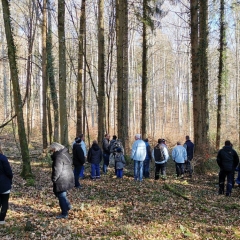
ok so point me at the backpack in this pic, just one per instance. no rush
(111, 160)
(158, 154)
(117, 144)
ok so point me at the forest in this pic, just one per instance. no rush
(160, 68)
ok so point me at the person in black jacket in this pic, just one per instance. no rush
(227, 160)
(95, 157)
(62, 176)
(6, 176)
(146, 163)
(106, 152)
(78, 160)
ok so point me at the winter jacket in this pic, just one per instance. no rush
(78, 155)
(95, 154)
(6, 174)
(105, 146)
(227, 159)
(84, 147)
(62, 173)
(189, 146)
(179, 154)
(148, 155)
(139, 150)
(164, 150)
(120, 161)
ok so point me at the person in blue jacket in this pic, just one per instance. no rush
(6, 176)
(138, 155)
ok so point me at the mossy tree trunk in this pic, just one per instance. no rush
(26, 167)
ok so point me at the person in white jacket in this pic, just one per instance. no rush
(179, 155)
(138, 155)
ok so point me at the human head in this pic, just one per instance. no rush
(138, 136)
(94, 142)
(107, 136)
(119, 150)
(81, 136)
(160, 140)
(163, 140)
(114, 137)
(187, 137)
(55, 147)
(1, 149)
(146, 140)
(227, 143)
(178, 143)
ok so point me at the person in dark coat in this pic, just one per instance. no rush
(62, 176)
(146, 163)
(227, 160)
(95, 157)
(189, 146)
(78, 160)
(6, 176)
(106, 152)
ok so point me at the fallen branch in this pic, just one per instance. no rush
(171, 189)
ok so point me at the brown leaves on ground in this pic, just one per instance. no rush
(113, 208)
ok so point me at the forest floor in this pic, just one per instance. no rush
(111, 208)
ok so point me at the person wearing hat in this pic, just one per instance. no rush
(62, 176)
(139, 153)
(78, 160)
(179, 156)
(120, 163)
(227, 160)
(6, 176)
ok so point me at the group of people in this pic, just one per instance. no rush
(142, 155)
(65, 178)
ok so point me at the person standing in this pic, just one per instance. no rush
(139, 153)
(147, 160)
(179, 155)
(95, 157)
(189, 146)
(6, 176)
(160, 155)
(62, 176)
(120, 163)
(227, 160)
(106, 152)
(78, 160)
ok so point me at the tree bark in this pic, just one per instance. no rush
(62, 74)
(26, 167)
(44, 76)
(101, 67)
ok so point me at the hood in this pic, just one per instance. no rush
(95, 147)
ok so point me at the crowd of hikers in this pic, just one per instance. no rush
(111, 154)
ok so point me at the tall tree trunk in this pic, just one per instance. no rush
(195, 72)
(144, 71)
(221, 71)
(203, 64)
(122, 70)
(51, 79)
(26, 167)
(101, 67)
(80, 70)
(44, 76)
(62, 74)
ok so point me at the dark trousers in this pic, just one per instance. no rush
(119, 173)
(179, 169)
(77, 170)
(222, 176)
(146, 166)
(160, 168)
(105, 162)
(3, 205)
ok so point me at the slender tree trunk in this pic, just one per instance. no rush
(26, 167)
(51, 79)
(80, 114)
(144, 72)
(195, 72)
(203, 64)
(101, 67)
(44, 76)
(62, 74)
(221, 71)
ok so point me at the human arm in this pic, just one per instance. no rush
(57, 169)
(7, 168)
